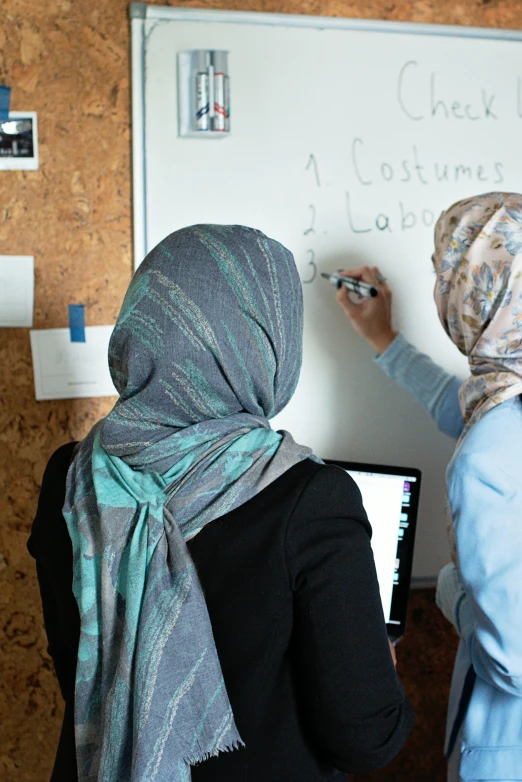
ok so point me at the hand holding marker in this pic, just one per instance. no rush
(372, 315)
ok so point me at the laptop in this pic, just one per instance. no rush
(391, 499)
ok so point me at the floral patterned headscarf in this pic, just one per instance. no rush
(478, 261)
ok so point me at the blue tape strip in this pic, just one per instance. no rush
(5, 102)
(77, 322)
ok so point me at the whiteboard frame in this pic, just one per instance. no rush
(139, 199)
(141, 12)
(172, 13)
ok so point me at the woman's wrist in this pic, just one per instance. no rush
(382, 342)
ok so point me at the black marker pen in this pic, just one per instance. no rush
(363, 289)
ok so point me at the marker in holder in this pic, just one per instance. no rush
(202, 79)
(203, 93)
(221, 118)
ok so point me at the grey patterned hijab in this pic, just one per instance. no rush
(207, 348)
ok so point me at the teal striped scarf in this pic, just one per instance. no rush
(207, 348)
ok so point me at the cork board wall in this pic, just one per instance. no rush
(70, 62)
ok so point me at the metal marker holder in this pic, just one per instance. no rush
(203, 94)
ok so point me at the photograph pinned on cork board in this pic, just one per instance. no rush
(19, 141)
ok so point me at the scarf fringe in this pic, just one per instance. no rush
(193, 760)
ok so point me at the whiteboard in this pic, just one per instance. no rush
(347, 140)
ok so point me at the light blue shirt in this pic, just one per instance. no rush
(483, 598)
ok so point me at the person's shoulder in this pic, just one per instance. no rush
(493, 446)
(59, 463)
(52, 491)
(330, 491)
(331, 477)
(327, 518)
(48, 521)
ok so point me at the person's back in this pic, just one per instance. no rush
(297, 620)
(290, 587)
(284, 569)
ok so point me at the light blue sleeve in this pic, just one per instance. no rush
(486, 505)
(450, 595)
(436, 390)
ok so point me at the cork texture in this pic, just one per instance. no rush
(70, 62)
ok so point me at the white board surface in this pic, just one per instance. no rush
(345, 145)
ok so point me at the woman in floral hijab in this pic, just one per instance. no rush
(478, 260)
(478, 293)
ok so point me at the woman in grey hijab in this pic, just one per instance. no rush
(227, 623)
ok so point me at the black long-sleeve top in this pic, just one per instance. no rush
(292, 593)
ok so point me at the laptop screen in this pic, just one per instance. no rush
(390, 496)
